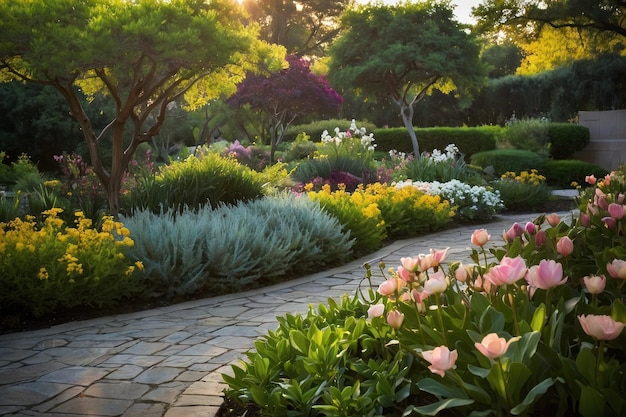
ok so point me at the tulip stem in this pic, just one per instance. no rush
(599, 360)
(419, 323)
(440, 316)
(515, 322)
(504, 384)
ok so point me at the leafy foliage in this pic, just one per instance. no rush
(504, 160)
(565, 172)
(526, 191)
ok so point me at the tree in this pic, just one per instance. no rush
(142, 55)
(285, 95)
(403, 53)
(529, 16)
(304, 28)
(502, 59)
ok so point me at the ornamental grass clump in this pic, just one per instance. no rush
(439, 166)
(533, 326)
(524, 191)
(55, 266)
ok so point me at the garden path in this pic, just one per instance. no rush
(168, 361)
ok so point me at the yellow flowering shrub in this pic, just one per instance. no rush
(358, 215)
(524, 191)
(377, 211)
(525, 177)
(55, 265)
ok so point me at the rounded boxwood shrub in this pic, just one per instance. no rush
(564, 172)
(566, 138)
(505, 160)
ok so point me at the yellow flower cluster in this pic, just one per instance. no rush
(533, 177)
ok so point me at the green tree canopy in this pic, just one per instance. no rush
(142, 55)
(404, 52)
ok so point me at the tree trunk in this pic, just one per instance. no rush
(406, 111)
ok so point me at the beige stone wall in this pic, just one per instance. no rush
(607, 146)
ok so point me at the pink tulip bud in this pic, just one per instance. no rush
(601, 202)
(620, 198)
(553, 219)
(590, 179)
(530, 228)
(441, 359)
(617, 268)
(433, 259)
(493, 346)
(480, 237)
(546, 275)
(410, 264)
(375, 310)
(565, 246)
(607, 179)
(514, 231)
(609, 222)
(395, 319)
(540, 238)
(585, 220)
(595, 284)
(601, 327)
(616, 211)
(591, 209)
(461, 273)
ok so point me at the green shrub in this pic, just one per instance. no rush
(300, 148)
(526, 191)
(567, 171)
(194, 182)
(324, 168)
(234, 248)
(567, 138)
(469, 140)
(504, 160)
(315, 129)
(529, 135)
(439, 166)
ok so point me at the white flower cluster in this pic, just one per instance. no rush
(450, 154)
(472, 202)
(367, 141)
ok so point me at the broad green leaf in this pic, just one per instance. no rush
(436, 408)
(537, 391)
(586, 364)
(518, 374)
(299, 341)
(440, 390)
(479, 372)
(591, 402)
(539, 318)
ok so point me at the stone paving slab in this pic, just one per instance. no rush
(168, 362)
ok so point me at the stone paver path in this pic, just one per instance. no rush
(168, 361)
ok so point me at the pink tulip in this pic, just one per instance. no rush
(436, 283)
(585, 220)
(482, 284)
(530, 228)
(375, 310)
(546, 275)
(595, 284)
(591, 209)
(395, 319)
(616, 211)
(600, 200)
(509, 271)
(441, 359)
(480, 237)
(617, 268)
(553, 219)
(493, 346)
(591, 179)
(419, 296)
(609, 222)
(390, 287)
(410, 264)
(432, 260)
(540, 238)
(607, 179)
(565, 246)
(620, 198)
(461, 274)
(601, 327)
(514, 231)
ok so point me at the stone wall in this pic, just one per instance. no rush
(607, 146)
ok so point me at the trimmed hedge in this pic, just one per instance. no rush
(315, 129)
(562, 173)
(469, 140)
(504, 160)
(567, 138)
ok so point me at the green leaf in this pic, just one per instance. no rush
(299, 341)
(539, 318)
(478, 371)
(537, 391)
(586, 364)
(591, 402)
(491, 321)
(435, 408)
(518, 375)
(440, 390)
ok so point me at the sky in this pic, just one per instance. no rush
(462, 10)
